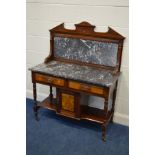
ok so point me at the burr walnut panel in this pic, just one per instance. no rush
(86, 87)
(49, 79)
(67, 102)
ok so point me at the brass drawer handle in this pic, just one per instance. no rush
(85, 87)
(49, 80)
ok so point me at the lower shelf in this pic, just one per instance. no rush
(94, 114)
(87, 113)
(47, 104)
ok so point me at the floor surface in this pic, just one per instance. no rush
(56, 135)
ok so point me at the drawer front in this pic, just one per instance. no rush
(85, 87)
(50, 80)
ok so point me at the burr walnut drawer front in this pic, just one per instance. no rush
(49, 79)
(85, 87)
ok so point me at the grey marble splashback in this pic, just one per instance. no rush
(96, 52)
(77, 72)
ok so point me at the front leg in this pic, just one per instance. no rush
(35, 108)
(113, 100)
(51, 94)
(104, 132)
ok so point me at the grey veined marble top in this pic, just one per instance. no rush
(77, 72)
(89, 51)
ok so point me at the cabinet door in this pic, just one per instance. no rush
(69, 103)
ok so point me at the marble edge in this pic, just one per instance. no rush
(116, 76)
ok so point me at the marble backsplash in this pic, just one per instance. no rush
(89, 51)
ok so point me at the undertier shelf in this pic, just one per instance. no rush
(47, 104)
(87, 113)
(94, 114)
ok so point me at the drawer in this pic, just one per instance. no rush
(85, 87)
(49, 79)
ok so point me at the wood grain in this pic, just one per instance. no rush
(67, 102)
(49, 79)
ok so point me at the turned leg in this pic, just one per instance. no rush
(113, 104)
(35, 108)
(111, 120)
(106, 117)
(58, 105)
(106, 107)
(51, 94)
(104, 132)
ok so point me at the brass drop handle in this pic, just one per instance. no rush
(49, 79)
(85, 87)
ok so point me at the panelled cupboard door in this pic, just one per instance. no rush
(68, 102)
